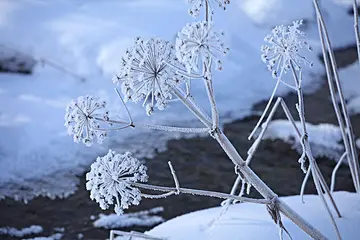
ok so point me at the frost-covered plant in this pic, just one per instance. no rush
(111, 177)
(197, 42)
(151, 72)
(146, 73)
(83, 117)
(284, 46)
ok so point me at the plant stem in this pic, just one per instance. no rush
(201, 193)
(348, 135)
(252, 178)
(356, 28)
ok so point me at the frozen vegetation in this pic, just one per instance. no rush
(191, 73)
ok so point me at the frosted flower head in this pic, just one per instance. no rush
(284, 46)
(146, 73)
(110, 180)
(197, 41)
(196, 5)
(83, 117)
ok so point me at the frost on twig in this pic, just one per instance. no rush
(130, 235)
(116, 179)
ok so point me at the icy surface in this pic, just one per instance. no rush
(325, 139)
(140, 219)
(34, 229)
(252, 221)
(88, 38)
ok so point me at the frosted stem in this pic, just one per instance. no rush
(356, 28)
(307, 152)
(333, 175)
(200, 193)
(347, 131)
(266, 109)
(152, 127)
(132, 234)
(251, 177)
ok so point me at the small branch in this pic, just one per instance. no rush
(266, 109)
(126, 108)
(152, 127)
(348, 138)
(333, 175)
(201, 193)
(176, 181)
(356, 27)
(132, 234)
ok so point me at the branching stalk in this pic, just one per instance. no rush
(348, 130)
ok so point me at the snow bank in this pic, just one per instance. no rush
(325, 139)
(56, 236)
(34, 229)
(143, 219)
(87, 39)
(251, 221)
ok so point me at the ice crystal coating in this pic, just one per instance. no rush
(110, 180)
(147, 73)
(83, 117)
(197, 41)
(198, 4)
(284, 46)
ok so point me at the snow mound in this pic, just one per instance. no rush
(325, 139)
(252, 221)
(143, 219)
(34, 229)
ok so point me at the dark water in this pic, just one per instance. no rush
(200, 163)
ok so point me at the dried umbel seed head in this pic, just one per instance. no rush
(198, 42)
(83, 119)
(110, 180)
(145, 74)
(284, 48)
(196, 5)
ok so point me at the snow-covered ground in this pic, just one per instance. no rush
(88, 39)
(253, 222)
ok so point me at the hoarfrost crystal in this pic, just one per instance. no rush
(111, 178)
(198, 4)
(197, 41)
(147, 73)
(83, 117)
(284, 46)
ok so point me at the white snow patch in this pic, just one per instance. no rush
(34, 229)
(252, 221)
(325, 139)
(143, 218)
(56, 236)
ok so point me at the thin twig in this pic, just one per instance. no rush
(352, 154)
(356, 28)
(333, 175)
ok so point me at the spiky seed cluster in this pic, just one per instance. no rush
(110, 180)
(83, 117)
(285, 43)
(197, 41)
(146, 75)
(196, 5)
